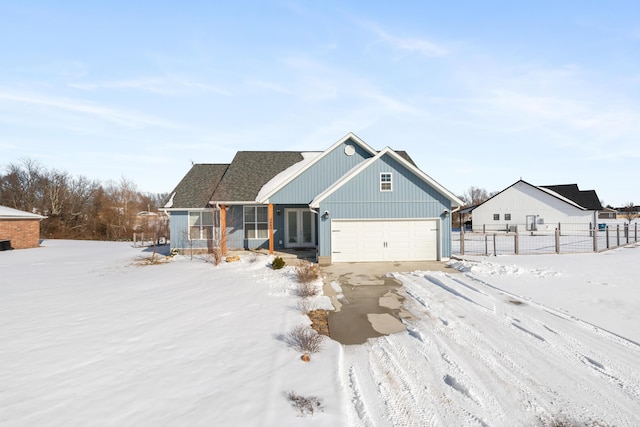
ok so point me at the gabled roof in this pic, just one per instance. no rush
(197, 186)
(588, 199)
(11, 213)
(569, 190)
(238, 185)
(264, 197)
(455, 201)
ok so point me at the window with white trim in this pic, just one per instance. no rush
(256, 222)
(200, 225)
(386, 183)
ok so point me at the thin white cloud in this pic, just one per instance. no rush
(158, 85)
(420, 46)
(390, 104)
(121, 117)
(269, 86)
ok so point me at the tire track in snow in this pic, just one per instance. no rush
(475, 365)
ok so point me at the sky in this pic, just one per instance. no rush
(478, 93)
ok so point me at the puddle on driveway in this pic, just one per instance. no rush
(367, 311)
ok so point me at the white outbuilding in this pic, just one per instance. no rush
(537, 209)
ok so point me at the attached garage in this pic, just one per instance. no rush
(367, 240)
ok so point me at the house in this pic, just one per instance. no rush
(19, 229)
(349, 202)
(608, 213)
(537, 208)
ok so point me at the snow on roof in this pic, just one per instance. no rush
(283, 176)
(169, 203)
(10, 213)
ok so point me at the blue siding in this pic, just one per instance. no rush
(235, 228)
(321, 175)
(179, 229)
(278, 224)
(361, 198)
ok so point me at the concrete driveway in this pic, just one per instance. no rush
(368, 305)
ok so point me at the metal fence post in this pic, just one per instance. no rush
(636, 232)
(557, 241)
(462, 243)
(515, 245)
(595, 238)
(607, 232)
(484, 228)
(495, 252)
(626, 232)
(591, 229)
(559, 228)
(486, 245)
(618, 234)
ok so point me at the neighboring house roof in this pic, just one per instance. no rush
(588, 199)
(238, 185)
(455, 201)
(11, 213)
(570, 192)
(197, 186)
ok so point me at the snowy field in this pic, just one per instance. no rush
(91, 337)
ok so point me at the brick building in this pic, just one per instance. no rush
(21, 228)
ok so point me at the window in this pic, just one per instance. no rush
(496, 217)
(256, 222)
(507, 217)
(201, 225)
(385, 181)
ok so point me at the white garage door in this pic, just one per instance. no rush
(384, 240)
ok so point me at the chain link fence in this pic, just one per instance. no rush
(565, 238)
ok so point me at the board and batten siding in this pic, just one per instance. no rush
(179, 231)
(361, 198)
(522, 200)
(321, 175)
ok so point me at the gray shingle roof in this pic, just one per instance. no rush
(587, 199)
(197, 186)
(405, 156)
(250, 171)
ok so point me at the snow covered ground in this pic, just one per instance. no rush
(90, 337)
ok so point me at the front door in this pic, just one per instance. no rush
(299, 229)
(531, 223)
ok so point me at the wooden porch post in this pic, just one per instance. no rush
(270, 228)
(223, 230)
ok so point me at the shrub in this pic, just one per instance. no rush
(304, 339)
(216, 256)
(306, 405)
(307, 272)
(277, 263)
(306, 290)
(306, 306)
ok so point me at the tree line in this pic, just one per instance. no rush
(77, 207)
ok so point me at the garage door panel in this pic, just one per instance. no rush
(384, 240)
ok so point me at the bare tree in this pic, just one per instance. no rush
(629, 212)
(474, 196)
(77, 208)
(21, 188)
